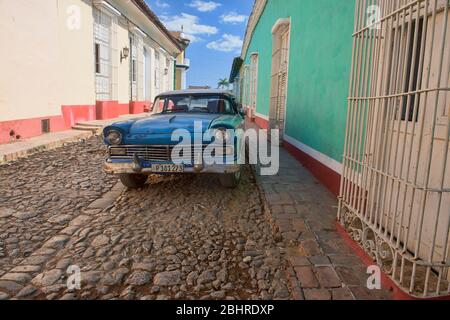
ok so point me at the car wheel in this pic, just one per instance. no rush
(230, 180)
(133, 181)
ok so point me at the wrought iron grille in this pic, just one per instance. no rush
(105, 47)
(395, 189)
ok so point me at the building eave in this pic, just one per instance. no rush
(237, 64)
(258, 9)
(142, 5)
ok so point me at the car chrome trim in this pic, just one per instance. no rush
(118, 168)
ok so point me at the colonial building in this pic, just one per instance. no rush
(182, 64)
(72, 60)
(381, 143)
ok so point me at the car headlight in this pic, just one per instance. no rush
(223, 135)
(114, 137)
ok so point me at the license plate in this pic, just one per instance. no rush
(167, 168)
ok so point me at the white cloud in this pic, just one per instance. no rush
(162, 4)
(233, 17)
(227, 43)
(204, 6)
(192, 29)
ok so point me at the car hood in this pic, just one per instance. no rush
(167, 123)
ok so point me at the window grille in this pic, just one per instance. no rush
(395, 188)
(133, 67)
(157, 72)
(104, 49)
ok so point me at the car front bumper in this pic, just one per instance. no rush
(132, 168)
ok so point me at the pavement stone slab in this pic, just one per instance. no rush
(305, 211)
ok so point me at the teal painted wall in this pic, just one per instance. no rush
(319, 68)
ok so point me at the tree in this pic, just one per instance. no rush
(223, 84)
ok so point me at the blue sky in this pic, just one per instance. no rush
(216, 28)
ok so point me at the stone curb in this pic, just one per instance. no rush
(24, 151)
(275, 230)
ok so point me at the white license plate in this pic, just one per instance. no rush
(167, 168)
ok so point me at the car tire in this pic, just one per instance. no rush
(133, 181)
(230, 180)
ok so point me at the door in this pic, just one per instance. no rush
(133, 68)
(280, 67)
(147, 75)
(282, 83)
(254, 60)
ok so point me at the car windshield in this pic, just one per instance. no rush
(193, 104)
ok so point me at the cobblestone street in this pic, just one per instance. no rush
(180, 237)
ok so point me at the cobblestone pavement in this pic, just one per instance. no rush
(41, 194)
(179, 237)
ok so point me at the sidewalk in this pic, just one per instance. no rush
(321, 264)
(83, 130)
(22, 149)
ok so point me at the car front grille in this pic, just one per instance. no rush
(150, 153)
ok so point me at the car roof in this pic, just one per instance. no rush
(195, 92)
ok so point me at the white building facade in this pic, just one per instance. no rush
(74, 60)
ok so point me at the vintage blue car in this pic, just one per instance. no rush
(151, 145)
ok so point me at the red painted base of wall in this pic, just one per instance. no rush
(137, 107)
(386, 281)
(74, 114)
(330, 178)
(28, 128)
(12, 130)
(111, 109)
(262, 123)
(149, 107)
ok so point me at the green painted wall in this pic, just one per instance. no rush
(319, 68)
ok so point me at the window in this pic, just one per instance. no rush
(146, 74)
(103, 52)
(133, 59)
(158, 106)
(167, 74)
(412, 72)
(133, 70)
(97, 58)
(194, 104)
(135, 83)
(157, 70)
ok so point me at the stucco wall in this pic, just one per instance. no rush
(123, 40)
(76, 58)
(44, 64)
(48, 58)
(320, 60)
